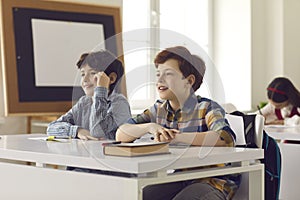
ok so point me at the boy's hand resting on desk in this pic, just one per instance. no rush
(84, 134)
(162, 134)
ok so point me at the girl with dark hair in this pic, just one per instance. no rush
(284, 103)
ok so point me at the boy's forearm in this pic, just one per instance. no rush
(210, 138)
(129, 132)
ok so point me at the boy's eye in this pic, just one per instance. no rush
(93, 73)
(82, 75)
(157, 75)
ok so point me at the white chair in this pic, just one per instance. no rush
(229, 107)
(237, 125)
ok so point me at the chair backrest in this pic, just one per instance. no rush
(237, 124)
(259, 128)
(229, 107)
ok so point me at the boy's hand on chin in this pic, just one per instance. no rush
(102, 79)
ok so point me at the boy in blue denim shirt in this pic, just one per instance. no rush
(98, 113)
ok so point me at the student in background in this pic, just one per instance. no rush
(183, 117)
(101, 110)
(283, 107)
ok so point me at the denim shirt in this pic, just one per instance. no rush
(100, 114)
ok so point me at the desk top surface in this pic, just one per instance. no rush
(89, 154)
(281, 132)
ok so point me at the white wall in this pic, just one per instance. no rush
(262, 34)
(291, 40)
(232, 48)
(14, 125)
(267, 46)
(277, 22)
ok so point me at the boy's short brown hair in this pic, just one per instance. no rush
(102, 61)
(188, 63)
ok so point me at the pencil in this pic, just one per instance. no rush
(259, 110)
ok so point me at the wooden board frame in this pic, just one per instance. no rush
(13, 105)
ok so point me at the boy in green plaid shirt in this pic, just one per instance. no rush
(183, 117)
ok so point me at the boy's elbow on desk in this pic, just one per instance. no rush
(123, 137)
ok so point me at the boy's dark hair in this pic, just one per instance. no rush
(282, 89)
(188, 63)
(103, 61)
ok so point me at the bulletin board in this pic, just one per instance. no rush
(41, 42)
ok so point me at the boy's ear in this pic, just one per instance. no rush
(191, 79)
(112, 77)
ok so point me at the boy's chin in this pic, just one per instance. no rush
(164, 97)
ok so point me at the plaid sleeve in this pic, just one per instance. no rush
(215, 119)
(146, 117)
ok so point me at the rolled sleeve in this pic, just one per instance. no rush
(101, 92)
(216, 121)
(62, 129)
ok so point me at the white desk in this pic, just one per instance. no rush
(40, 182)
(290, 160)
(284, 132)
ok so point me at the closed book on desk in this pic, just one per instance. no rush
(136, 149)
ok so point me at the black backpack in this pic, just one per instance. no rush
(249, 129)
(272, 161)
(272, 156)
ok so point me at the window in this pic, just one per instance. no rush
(178, 20)
(189, 18)
(137, 59)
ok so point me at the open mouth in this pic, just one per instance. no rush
(162, 88)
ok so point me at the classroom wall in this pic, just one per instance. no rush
(15, 125)
(280, 46)
(267, 46)
(269, 43)
(291, 40)
(232, 49)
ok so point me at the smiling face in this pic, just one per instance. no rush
(171, 84)
(88, 80)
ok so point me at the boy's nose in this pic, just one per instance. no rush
(160, 79)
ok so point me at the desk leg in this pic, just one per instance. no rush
(257, 184)
(140, 192)
(141, 183)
